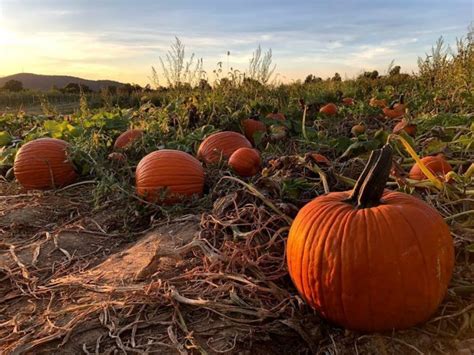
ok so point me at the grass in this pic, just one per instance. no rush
(221, 284)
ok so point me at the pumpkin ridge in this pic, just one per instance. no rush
(345, 231)
(319, 243)
(427, 286)
(388, 229)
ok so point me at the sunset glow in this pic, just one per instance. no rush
(113, 40)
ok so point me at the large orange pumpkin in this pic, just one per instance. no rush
(44, 164)
(221, 144)
(371, 259)
(127, 138)
(436, 164)
(245, 161)
(251, 127)
(169, 176)
(329, 109)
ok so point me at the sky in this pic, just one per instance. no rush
(122, 40)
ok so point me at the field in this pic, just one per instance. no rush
(92, 267)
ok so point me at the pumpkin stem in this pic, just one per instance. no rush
(369, 187)
(401, 99)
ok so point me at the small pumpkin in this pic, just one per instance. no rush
(251, 127)
(396, 109)
(348, 101)
(127, 138)
(393, 113)
(358, 129)
(117, 157)
(44, 164)
(221, 144)
(400, 103)
(377, 103)
(278, 132)
(275, 115)
(329, 109)
(404, 125)
(245, 162)
(436, 164)
(352, 254)
(319, 158)
(168, 176)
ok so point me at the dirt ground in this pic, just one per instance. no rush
(209, 283)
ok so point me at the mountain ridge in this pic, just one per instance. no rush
(46, 82)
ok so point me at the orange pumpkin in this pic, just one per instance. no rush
(404, 125)
(251, 127)
(400, 104)
(117, 157)
(329, 109)
(43, 164)
(358, 129)
(245, 162)
(221, 144)
(436, 164)
(392, 113)
(348, 101)
(169, 176)
(319, 158)
(275, 115)
(377, 103)
(371, 259)
(127, 138)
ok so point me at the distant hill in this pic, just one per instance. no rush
(46, 82)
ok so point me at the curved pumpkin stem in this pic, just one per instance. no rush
(370, 185)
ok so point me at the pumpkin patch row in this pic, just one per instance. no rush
(165, 175)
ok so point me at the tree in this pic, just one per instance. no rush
(75, 88)
(13, 85)
(336, 77)
(312, 79)
(395, 70)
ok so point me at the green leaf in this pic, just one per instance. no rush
(434, 146)
(5, 138)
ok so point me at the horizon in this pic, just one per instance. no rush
(121, 42)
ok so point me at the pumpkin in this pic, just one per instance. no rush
(348, 101)
(319, 158)
(275, 115)
(117, 157)
(371, 259)
(404, 125)
(393, 113)
(251, 127)
(329, 109)
(400, 103)
(169, 176)
(436, 164)
(221, 144)
(278, 132)
(358, 129)
(43, 164)
(245, 162)
(127, 138)
(396, 109)
(377, 103)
